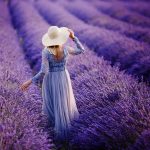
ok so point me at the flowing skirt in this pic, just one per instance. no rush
(59, 102)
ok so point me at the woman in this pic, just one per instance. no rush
(57, 93)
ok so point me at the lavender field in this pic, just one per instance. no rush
(111, 80)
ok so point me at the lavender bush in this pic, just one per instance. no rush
(140, 7)
(20, 117)
(117, 125)
(115, 117)
(95, 106)
(144, 10)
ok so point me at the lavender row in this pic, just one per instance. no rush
(20, 125)
(141, 7)
(107, 84)
(114, 120)
(122, 13)
(111, 45)
(102, 79)
(30, 25)
(144, 10)
(4, 17)
(90, 15)
(116, 128)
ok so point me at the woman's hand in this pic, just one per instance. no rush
(25, 85)
(71, 34)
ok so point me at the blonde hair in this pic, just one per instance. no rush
(58, 53)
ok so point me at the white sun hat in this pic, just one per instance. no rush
(55, 36)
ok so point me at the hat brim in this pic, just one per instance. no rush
(61, 39)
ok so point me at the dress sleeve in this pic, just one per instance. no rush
(78, 49)
(43, 69)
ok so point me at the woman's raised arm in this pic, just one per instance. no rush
(78, 49)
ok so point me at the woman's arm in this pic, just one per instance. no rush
(43, 69)
(79, 47)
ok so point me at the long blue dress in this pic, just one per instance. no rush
(57, 93)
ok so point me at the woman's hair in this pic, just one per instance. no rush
(58, 53)
(53, 46)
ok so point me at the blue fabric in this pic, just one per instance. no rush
(57, 93)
